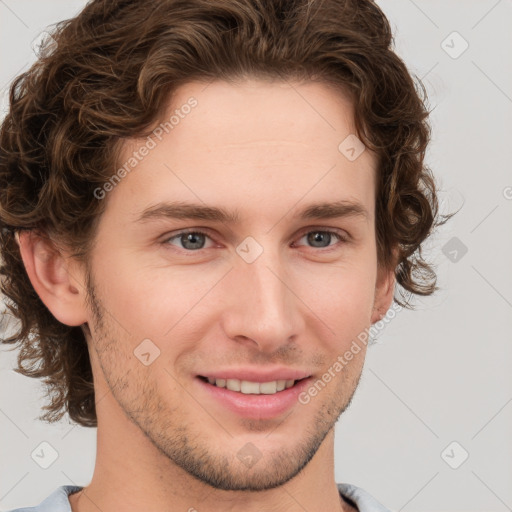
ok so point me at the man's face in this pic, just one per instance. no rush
(269, 295)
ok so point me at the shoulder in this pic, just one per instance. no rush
(362, 500)
(57, 501)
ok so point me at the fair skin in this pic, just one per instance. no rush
(164, 440)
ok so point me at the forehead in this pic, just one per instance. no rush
(225, 142)
(260, 113)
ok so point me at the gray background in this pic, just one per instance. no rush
(434, 376)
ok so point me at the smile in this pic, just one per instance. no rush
(252, 388)
(251, 399)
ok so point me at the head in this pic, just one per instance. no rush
(241, 108)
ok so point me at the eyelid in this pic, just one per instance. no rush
(344, 235)
(185, 231)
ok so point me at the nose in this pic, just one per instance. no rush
(262, 310)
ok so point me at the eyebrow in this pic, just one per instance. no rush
(194, 211)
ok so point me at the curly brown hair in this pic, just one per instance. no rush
(109, 77)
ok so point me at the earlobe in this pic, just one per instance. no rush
(52, 278)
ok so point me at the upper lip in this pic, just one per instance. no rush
(257, 375)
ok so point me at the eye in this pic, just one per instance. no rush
(195, 240)
(320, 239)
(189, 240)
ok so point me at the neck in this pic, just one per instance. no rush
(131, 479)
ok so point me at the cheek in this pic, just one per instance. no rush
(342, 298)
(135, 295)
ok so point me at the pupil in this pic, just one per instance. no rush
(192, 238)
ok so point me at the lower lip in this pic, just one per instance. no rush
(258, 407)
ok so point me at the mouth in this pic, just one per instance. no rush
(267, 400)
(247, 387)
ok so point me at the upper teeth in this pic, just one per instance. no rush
(252, 388)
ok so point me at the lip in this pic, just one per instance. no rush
(258, 407)
(254, 375)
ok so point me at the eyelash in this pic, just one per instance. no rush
(343, 239)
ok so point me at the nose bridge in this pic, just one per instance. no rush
(262, 307)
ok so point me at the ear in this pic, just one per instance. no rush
(384, 290)
(52, 276)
